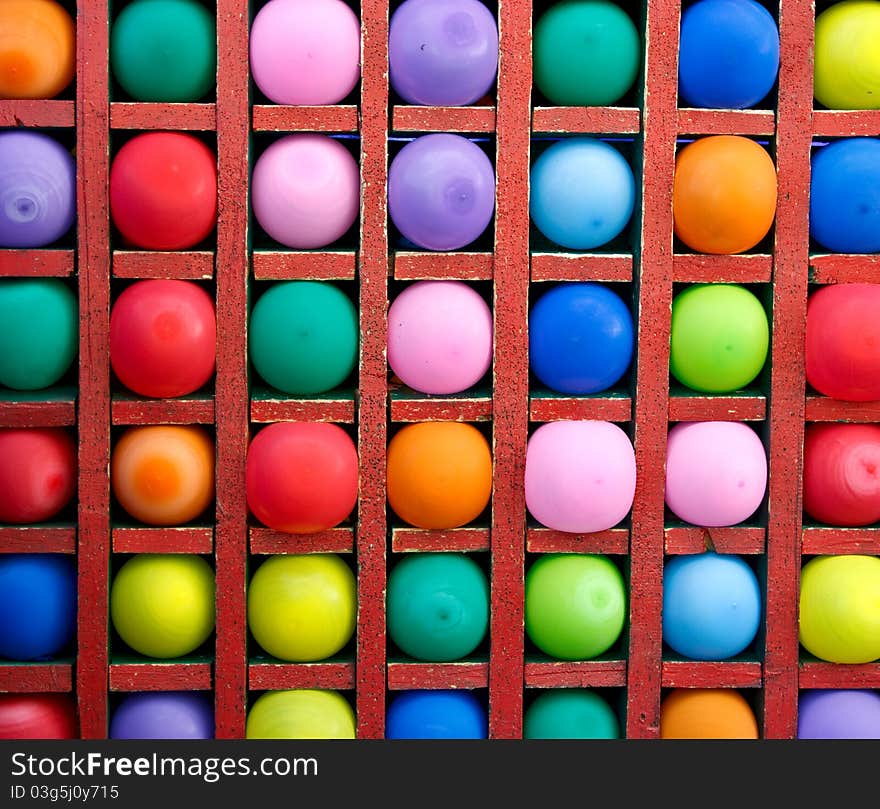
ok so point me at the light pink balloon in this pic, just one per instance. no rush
(305, 191)
(716, 472)
(439, 336)
(580, 475)
(305, 51)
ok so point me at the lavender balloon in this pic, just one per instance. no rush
(443, 52)
(839, 714)
(37, 189)
(441, 191)
(163, 715)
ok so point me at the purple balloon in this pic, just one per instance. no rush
(441, 191)
(839, 714)
(163, 715)
(37, 189)
(443, 52)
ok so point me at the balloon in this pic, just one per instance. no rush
(163, 715)
(707, 713)
(300, 714)
(37, 716)
(436, 715)
(839, 714)
(570, 713)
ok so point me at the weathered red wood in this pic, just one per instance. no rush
(231, 385)
(725, 122)
(411, 266)
(703, 674)
(37, 677)
(282, 118)
(736, 539)
(163, 540)
(277, 676)
(842, 268)
(334, 540)
(578, 674)
(191, 265)
(837, 675)
(37, 539)
(37, 414)
(546, 540)
(44, 263)
(821, 408)
(411, 408)
(465, 674)
(270, 265)
(160, 676)
(750, 268)
(582, 267)
(567, 408)
(140, 115)
(190, 410)
(846, 123)
(717, 408)
(266, 410)
(594, 120)
(786, 419)
(455, 539)
(827, 540)
(36, 113)
(442, 119)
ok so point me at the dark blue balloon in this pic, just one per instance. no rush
(436, 715)
(37, 605)
(845, 196)
(580, 338)
(729, 54)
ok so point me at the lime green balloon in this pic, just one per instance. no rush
(304, 337)
(570, 713)
(719, 337)
(585, 53)
(302, 608)
(575, 605)
(840, 608)
(39, 326)
(847, 56)
(164, 50)
(302, 714)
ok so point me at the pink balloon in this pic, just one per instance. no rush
(305, 51)
(580, 475)
(439, 336)
(305, 190)
(716, 472)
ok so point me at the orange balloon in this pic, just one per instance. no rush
(37, 49)
(439, 474)
(724, 194)
(707, 713)
(163, 475)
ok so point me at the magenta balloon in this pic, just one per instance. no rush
(441, 191)
(443, 52)
(580, 475)
(37, 189)
(716, 472)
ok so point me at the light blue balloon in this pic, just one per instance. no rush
(582, 193)
(711, 606)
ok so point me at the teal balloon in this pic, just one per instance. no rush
(570, 713)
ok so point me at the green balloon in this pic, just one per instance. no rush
(39, 327)
(304, 337)
(719, 337)
(164, 50)
(575, 605)
(570, 713)
(586, 53)
(438, 606)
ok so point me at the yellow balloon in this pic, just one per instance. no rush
(162, 605)
(302, 608)
(840, 608)
(847, 56)
(301, 714)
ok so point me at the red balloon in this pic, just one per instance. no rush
(843, 341)
(842, 473)
(163, 191)
(163, 338)
(37, 474)
(37, 716)
(302, 477)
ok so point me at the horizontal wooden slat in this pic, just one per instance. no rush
(409, 676)
(37, 414)
(292, 265)
(153, 115)
(582, 267)
(265, 410)
(163, 540)
(568, 408)
(278, 676)
(37, 263)
(412, 408)
(454, 539)
(592, 120)
(36, 112)
(267, 541)
(823, 408)
(36, 678)
(693, 121)
(546, 540)
(711, 674)
(578, 674)
(413, 266)
(734, 539)
(37, 539)
(839, 675)
(160, 676)
(407, 118)
(284, 118)
(163, 411)
(717, 408)
(829, 540)
(843, 268)
(191, 266)
(846, 123)
(737, 269)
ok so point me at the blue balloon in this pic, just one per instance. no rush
(711, 606)
(581, 338)
(845, 196)
(728, 55)
(436, 715)
(37, 605)
(582, 193)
